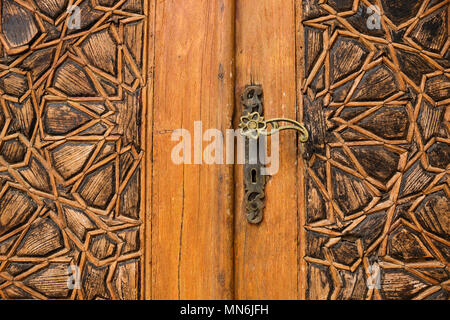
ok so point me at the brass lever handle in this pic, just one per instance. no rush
(253, 125)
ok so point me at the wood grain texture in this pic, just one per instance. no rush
(376, 102)
(192, 205)
(266, 255)
(71, 147)
(147, 177)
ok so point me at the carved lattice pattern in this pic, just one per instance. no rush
(70, 148)
(377, 186)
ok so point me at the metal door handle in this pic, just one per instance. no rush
(253, 125)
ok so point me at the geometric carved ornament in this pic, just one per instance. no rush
(71, 101)
(376, 101)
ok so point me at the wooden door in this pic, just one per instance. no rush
(93, 207)
(361, 210)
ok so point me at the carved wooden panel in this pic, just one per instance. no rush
(376, 101)
(71, 148)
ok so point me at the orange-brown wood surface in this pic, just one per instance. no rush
(266, 255)
(302, 278)
(192, 205)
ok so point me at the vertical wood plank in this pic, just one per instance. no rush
(148, 163)
(301, 197)
(266, 255)
(192, 205)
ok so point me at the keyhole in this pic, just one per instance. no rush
(254, 176)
